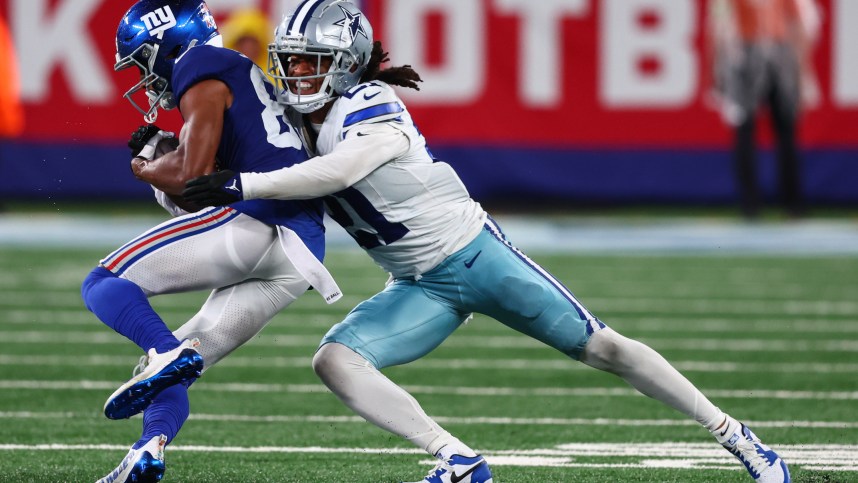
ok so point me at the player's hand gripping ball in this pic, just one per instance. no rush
(150, 142)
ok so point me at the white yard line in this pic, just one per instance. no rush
(641, 304)
(446, 390)
(462, 340)
(675, 323)
(647, 455)
(456, 420)
(556, 364)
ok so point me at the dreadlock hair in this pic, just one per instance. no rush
(403, 76)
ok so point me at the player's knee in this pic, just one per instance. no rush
(325, 361)
(320, 361)
(92, 279)
(336, 361)
(605, 350)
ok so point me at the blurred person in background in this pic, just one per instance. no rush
(248, 31)
(761, 54)
(447, 257)
(11, 114)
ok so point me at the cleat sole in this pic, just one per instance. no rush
(136, 398)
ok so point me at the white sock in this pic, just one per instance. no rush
(724, 432)
(455, 447)
(373, 396)
(648, 372)
(718, 419)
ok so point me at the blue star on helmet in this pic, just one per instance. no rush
(352, 22)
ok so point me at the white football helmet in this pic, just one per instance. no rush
(322, 28)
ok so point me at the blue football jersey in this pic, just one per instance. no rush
(255, 136)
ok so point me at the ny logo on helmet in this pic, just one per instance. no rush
(158, 21)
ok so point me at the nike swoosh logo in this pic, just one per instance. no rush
(455, 478)
(726, 427)
(470, 262)
(367, 97)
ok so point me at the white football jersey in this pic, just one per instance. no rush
(413, 211)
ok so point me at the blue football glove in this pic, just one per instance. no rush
(216, 189)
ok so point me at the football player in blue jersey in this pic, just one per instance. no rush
(256, 256)
(446, 256)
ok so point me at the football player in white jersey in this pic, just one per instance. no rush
(446, 256)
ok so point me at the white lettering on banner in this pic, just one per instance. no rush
(540, 55)
(648, 56)
(461, 77)
(226, 6)
(845, 62)
(62, 40)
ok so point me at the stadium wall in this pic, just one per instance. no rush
(578, 101)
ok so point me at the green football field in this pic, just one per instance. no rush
(771, 340)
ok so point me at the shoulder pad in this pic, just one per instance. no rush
(203, 62)
(370, 102)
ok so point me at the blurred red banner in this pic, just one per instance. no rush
(565, 73)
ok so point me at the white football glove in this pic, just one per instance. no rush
(149, 150)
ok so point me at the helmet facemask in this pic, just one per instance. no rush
(151, 36)
(320, 30)
(155, 86)
(337, 77)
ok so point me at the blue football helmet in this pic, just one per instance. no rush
(151, 36)
(320, 28)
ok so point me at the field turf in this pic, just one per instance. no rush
(772, 340)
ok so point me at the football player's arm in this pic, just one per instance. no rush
(362, 152)
(203, 107)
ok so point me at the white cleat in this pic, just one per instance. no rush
(177, 366)
(763, 464)
(144, 465)
(460, 469)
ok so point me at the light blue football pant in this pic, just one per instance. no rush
(412, 316)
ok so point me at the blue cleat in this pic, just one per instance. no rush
(763, 464)
(177, 366)
(143, 465)
(460, 469)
